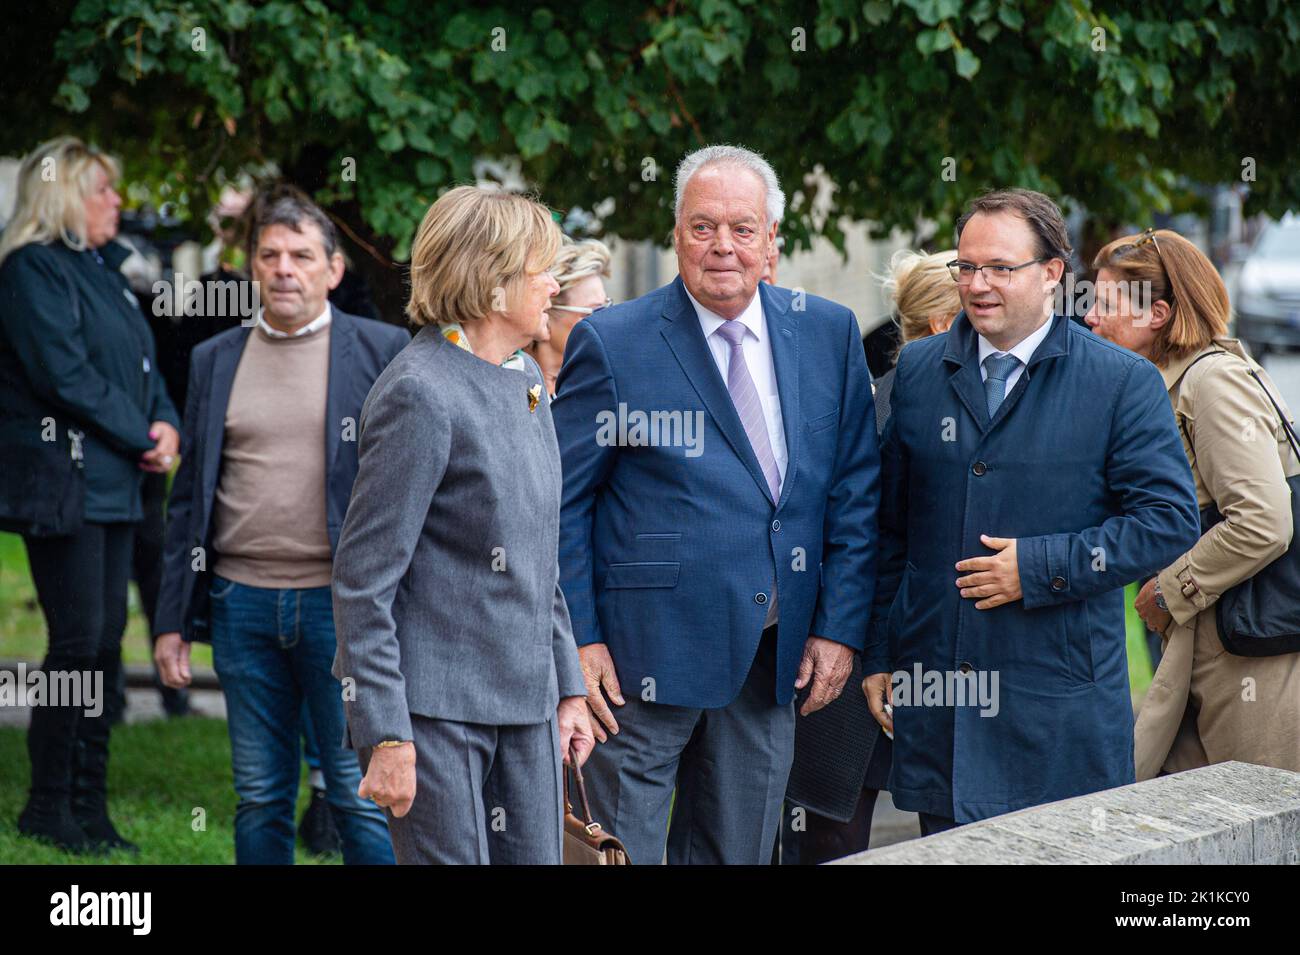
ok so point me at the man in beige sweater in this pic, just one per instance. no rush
(268, 458)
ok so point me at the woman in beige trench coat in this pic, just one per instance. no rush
(1159, 296)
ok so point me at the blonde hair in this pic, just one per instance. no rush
(1181, 275)
(473, 241)
(578, 261)
(921, 288)
(54, 181)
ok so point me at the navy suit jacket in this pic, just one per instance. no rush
(360, 349)
(667, 549)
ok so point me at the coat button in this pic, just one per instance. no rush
(978, 468)
(760, 598)
(1058, 583)
(776, 525)
(965, 667)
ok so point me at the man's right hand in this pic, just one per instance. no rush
(598, 671)
(876, 688)
(172, 654)
(390, 778)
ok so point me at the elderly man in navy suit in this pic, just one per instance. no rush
(718, 524)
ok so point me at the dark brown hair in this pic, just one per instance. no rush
(1042, 214)
(287, 205)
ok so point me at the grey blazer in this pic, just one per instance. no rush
(446, 583)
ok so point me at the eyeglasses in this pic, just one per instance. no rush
(963, 273)
(583, 309)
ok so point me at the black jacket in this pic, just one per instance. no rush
(359, 350)
(75, 352)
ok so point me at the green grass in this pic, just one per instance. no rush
(159, 774)
(22, 627)
(1139, 657)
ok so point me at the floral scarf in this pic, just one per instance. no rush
(454, 333)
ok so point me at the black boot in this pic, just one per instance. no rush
(317, 831)
(90, 785)
(51, 742)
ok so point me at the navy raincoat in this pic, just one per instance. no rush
(1083, 466)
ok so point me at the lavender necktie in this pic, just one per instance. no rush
(748, 405)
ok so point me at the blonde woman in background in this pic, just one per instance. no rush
(1197, 711)
(84, 414)
(580, 271)
(925, 303)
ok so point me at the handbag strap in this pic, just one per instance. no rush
(1291, 437)
(1182, 426)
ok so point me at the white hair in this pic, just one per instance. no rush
(735, 156)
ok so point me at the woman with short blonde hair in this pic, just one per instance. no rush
(1158, 295)
(448, 558)
(84, 413)
(580, 269)
(480, 243)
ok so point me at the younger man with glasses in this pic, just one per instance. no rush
(1029, 471)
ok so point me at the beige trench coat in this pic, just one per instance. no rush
(1206, 705)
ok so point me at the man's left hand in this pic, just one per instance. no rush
(993, 581)
(828, 664)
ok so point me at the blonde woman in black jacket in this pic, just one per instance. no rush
(83, 415)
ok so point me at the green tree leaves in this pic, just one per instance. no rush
(1123, 110)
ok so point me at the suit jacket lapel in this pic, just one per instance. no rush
(962, 356)
(783, 333)
(342, 333)
(686, 340)
(224, 364)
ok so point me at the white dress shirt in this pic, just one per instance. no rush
(315, 325)
(758, 358)
(1024, 351)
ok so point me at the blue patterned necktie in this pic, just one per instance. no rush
(998, 368)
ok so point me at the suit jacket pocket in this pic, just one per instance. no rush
(642, 574)
(824, 421)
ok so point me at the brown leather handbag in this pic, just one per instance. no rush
(586, 843)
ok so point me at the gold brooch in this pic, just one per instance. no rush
(534, 396)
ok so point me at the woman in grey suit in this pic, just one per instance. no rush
(461, 679)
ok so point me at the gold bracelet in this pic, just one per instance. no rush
(391, 742)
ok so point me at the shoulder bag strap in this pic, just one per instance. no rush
(1291, 436)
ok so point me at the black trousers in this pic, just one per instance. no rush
(81, 583)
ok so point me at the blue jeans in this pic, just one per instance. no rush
(272, 650)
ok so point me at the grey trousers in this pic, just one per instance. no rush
(483, 794)
(729, 766)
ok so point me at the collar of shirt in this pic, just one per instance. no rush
(315, 325)
(751, 317)
(1024, 350)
